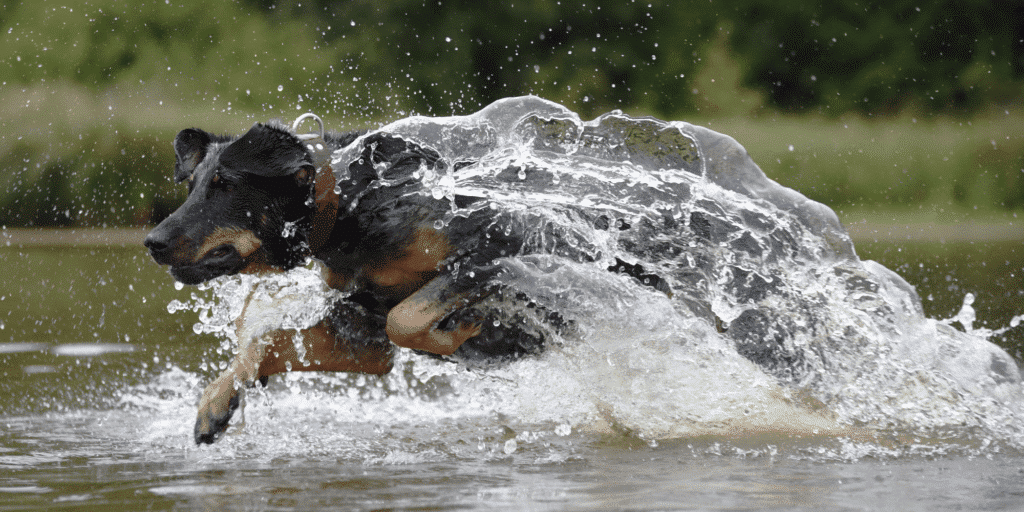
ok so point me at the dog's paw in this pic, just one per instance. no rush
(215, 409)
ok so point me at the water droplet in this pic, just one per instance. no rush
(510, 447)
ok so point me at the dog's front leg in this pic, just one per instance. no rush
(222, 396)
(326, 349)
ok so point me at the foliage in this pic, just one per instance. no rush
(879, 56)
(454, 56)
(173, 50)
(836, 56)
(444, 56)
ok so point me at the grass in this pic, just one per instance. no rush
(855, 162)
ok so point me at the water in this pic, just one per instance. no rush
(644, 406)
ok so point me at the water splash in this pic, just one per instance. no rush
(773, 325)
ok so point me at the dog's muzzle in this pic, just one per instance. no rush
(221, 260)
(160, 248)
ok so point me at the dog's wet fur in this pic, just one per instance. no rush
(268, 201)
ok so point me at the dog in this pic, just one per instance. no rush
(268, 201)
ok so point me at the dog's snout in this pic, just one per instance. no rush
(160, 246)
(155, 244)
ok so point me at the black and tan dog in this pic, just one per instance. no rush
(268, 200)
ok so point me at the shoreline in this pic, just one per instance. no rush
(860, 231)
(72, 237)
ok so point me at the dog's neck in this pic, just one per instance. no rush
(326, 199)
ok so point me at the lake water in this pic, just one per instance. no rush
(100, 384)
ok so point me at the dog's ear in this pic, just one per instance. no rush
(266, 150)
(189, 149)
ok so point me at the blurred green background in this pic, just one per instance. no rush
(859, 105)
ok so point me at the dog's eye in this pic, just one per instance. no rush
(220, 252)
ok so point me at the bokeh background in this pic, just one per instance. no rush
(856, 104)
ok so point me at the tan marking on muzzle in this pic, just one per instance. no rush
(244, 241)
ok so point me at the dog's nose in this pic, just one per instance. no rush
(160, 247)
(155, 244)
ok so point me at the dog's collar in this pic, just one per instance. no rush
(326, 199)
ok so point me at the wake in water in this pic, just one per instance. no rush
(744, 308)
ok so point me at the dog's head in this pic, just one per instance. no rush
(248, 208)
